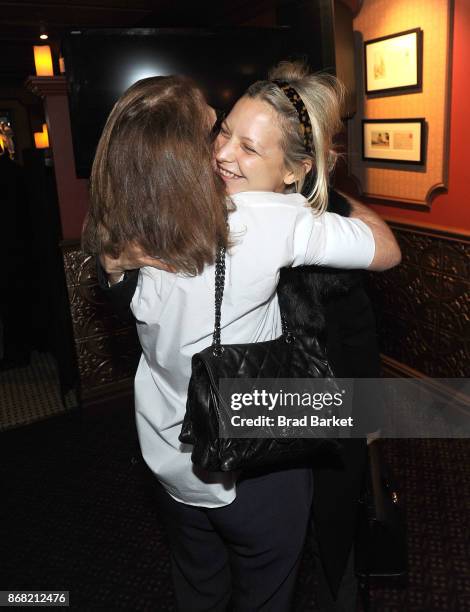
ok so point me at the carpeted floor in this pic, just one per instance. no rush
(32, 393)
(76, 514)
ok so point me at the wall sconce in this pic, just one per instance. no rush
(41, 139)
(43, 60)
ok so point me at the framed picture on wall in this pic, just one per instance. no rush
(394, 63)
(393, 140)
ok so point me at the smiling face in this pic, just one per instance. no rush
(248, 151)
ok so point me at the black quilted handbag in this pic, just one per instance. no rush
(288, 356)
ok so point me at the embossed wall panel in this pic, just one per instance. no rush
(423, 305)
(106, 345)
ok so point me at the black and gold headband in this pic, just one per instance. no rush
(299, 106)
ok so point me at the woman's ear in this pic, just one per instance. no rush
(304, 168)
(289, 178)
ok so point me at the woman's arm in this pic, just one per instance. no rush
(363, 242)
(120, 293)
(130, 258)
(387, 252)
(118, 277)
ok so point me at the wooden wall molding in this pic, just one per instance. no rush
(47, 86)
(456, 402)
(433, 232)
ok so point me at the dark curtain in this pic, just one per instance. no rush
(17, 266)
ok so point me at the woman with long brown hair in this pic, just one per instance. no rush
(155, 199)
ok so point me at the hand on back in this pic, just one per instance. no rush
(130, 258)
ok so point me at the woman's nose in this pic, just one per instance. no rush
(224, 150)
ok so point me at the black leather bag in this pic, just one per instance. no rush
(285, 357)
(380, 549)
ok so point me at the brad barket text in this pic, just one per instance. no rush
(312, 420)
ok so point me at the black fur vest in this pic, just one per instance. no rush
(305, 291)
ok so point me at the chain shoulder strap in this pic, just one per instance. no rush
(218, 349)
(219, 294)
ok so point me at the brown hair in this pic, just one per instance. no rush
(152, 181)
(322, 95)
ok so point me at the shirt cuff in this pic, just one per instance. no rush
(120, 279)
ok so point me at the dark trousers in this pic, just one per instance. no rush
(346, 598)
(246, 554)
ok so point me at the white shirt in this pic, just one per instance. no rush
(175, 319)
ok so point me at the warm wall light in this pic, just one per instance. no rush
(43, 60)
(41, 139)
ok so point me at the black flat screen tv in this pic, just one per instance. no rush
(102, 63)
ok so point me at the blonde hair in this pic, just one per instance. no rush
(322, 95)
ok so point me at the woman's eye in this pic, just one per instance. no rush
(249, 149)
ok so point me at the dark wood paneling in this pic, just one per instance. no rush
(106, 345)
(423, 305)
